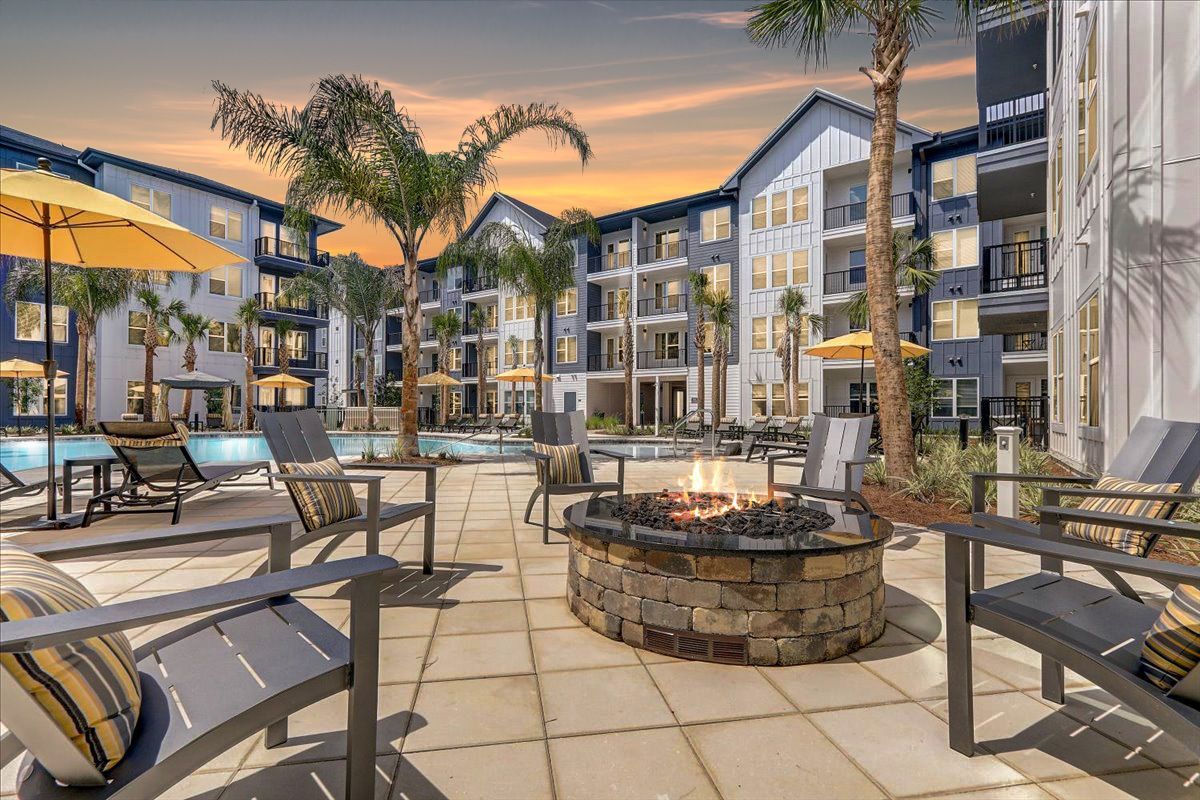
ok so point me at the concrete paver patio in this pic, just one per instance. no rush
(490, 688)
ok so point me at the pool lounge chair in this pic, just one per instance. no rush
(508, 423)
(728, 428)
(299, 437)
(159, 470)
(31, 481)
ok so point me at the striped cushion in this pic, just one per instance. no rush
(177, 439)
(1172, 647)
(89, 688)
(564, 463)
(1133, 542)
(321, 503)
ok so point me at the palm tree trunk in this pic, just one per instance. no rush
(369, 353)
(247, 389)
(407, 439)
(895, 419)
(91, 383)
(795, 388)
(189, 365)
(716, 379)
(84, 335)
(480, 378)
(627, 337)
(700, 341)
(443, 391)
(150, 342)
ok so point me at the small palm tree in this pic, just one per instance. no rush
(783, 352)
(911, 259)
(283, 349)
(249, 318)
(158, 332)
(193, 327)
(723, 312)
(480, 319)
(363, 294)
(701, 297)
(793, 304)
(350, 150)
(447, 327)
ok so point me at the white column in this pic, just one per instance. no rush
(1008, 458)
(657, 391)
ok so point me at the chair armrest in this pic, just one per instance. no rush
(537, 456)
(25, 635)
(1006, 476)
(859, 462)
(295, 478)
(1078, 554)
(388, 467)
(789, 452)
(1170, 497)
(146, 539)
(611, 454)
(1060, 514)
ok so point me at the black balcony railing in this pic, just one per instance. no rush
(479, 283)
(1014, 266)
(1028, 413)
(428, 335)
(1030, 342)
(293, 251)
(856, 213)
(604, 362)
(430, 295)
(471, 330)
(305, 359)
(663, 251)
(846, 280)
(658, 306)
(470, 369)
(270, 301)
(1016, 120)
(395, 339)
(610, 261)
(606, 312)
(666, 358)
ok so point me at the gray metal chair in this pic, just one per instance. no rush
(300, 437)
(1157, 451)
(561, 428)
(198, 697)
(834, 459)
(1096, 632)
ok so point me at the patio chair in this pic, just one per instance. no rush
(159, 470)
(1098, 633)
(833, 462)
(31, 481)
(565, 428)
(298, 437)
(789, 437)
(1158, 451)
(261, 655)
(728, 428)
(788, 431)
(509, 422)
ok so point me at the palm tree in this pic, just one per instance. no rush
(363, 294)
(628, 358)
(447, 326)
(480, 319)
(514, 344)
(896, 28)
(723, 312)
(283, 351)
(701, 295)
(248, 318)
(793, 304)
(158, 313)
(539, 271)
(783, 352)
(193, 327)
(911, 259)
(91, 294)
(349, 149)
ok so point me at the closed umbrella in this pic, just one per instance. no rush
(860, 344)
(54, 218)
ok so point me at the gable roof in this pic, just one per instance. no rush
(535, 214)
(813, 98)
(36, 143)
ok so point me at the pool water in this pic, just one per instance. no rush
(18, 454)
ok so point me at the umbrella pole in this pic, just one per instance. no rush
(49, 368)
(862, 380)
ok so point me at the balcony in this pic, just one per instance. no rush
(667, 358)
(607, 312)
(856, 213)
(663, 251)
(301, 359)
(395, 339)
(470, 369)
(1029, 342)
(1014, 121)
(274, 250)
(480, 283)
(470, 330)
(605, 362)
(1014, 267)
(660, 306)
(273, 302)
(846, 280)
(1011, 163)
(430, 296)
(609, 262)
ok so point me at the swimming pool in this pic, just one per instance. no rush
(18, 454)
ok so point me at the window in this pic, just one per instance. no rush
(135, 397)
(666, 345)
(779, 269)
(778, 330)
(956, 248)
(517, 309)
(953, 177)
(1058, 371)
(779, 208)
(455, 404)
(804, 326)
(225, 224)
(216, 337)
(1056, 201)
(758, 400)
(758, 272)
(956, 396)
(1088, 101)
(955, 319)
(758, 333)
(617, 254)
(714, 224)
(226, 281)
(801, 409)
(297, 345)
(710, 336)
(137, 330)
(799, 267)
(778, 400)
(568, 302)
(800, 204)
(1089, 362)
(718, 278)
(151, 200)
(521, 355)
(666, 244)
(858, 193)
(30, 318)
(565, 350)
(454, 361)
(29, 396)
(758, 213)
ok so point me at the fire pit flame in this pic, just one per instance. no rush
(700, 498)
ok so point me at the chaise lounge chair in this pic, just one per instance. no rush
(159, 470)
(833, 463)
(31, 481)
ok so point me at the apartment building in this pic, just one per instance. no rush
(1124, 210)
(238, 220)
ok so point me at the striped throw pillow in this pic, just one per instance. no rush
(1172, 648)
(564, 463)
(321, 503)
(1135, 543)
(89, 688)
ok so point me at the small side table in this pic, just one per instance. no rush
(101, 477)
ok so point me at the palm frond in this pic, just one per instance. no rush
(806, 25)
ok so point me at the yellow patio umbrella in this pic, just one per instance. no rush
(281, 381)
(521, 375)
(18, 368)
(860, 344)
(54, 218)
(438, 379)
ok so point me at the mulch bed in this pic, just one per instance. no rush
(899, 508)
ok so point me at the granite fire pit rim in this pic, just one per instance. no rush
(573, 526)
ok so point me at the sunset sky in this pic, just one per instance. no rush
(673, 95)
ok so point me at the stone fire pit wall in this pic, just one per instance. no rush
(794, 609)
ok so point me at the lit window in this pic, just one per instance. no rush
(799, 267)
(804, 326)
(801, 409)
(225, 281)
(1089, 362)
(565, 350)
(955, 319)
(778, 330)
(1058, 371)
(135, 398)
(567, 302)
(758, 400)
(758, 272)
(800, 204)
(758, 333)
(137, 329)
(779, 208)
(714, 224)
(718, 278)
(30, 318)
(151, 200)
(779, 269)
(1088, 97)
(758, 213)
(953, 177)
(225, 224)
(778, 400)
(956, 248)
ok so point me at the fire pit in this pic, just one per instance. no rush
(717, 576)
